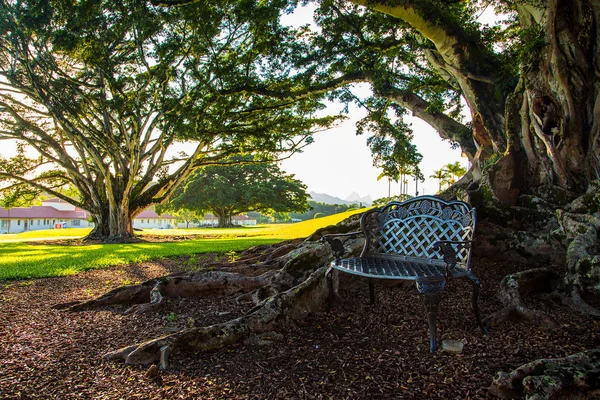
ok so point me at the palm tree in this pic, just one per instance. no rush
(418, 175)
(456, 170)
(442, 175)
(384, 174)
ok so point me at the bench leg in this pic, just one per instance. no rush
(476, 286)
(431, 290)
(331, 287)
(371, 291)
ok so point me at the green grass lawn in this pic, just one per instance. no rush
(20, 260)
(47, 234)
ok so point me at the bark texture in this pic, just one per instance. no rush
(552, 119)
(112, 224)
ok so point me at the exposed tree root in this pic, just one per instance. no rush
(577, 303)
(149, 295)
(564, 233)
(539, 231)
(293, 285)
(130, 294)
(512, 287)
(156, 300)
(551, 378)
(222, 279)
(583, 259)
(277, 311)
(264, 260)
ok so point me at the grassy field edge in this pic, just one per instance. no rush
(22, 260)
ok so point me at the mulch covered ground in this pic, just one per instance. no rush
(353, 351)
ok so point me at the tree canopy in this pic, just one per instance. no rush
(519, 80)
(239, 186)
(102, 91)
(96, 95)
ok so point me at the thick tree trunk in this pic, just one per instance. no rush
(552, 118)
(224, 217)
(112, 226)
(552, 130)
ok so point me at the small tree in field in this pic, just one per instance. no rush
(239, 186)
(187, 217)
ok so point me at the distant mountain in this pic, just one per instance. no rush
(328, 199)
(356, 198)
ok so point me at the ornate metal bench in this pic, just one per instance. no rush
(424, 239)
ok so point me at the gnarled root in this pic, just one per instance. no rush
(278, 310)
(149, 295)
(280, 297)
(512, 287)
(577, 303)
(583, 259)
(223, 276)
(550, 378)
(293, 286)
(129, 294)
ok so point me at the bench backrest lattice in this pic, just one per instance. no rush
(410, 229)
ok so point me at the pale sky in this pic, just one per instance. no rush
(339, 162)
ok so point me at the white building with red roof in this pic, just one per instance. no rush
(52, 214)
(149, 219)
(211, 220)
(58, 214)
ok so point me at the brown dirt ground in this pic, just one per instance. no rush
(353, 351)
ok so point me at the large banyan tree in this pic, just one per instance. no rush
(530, 87)
(96, 95)
(530, 84)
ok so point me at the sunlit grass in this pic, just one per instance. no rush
(271, 231)
(46, 234)
(20, 260)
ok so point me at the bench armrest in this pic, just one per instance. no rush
(335, 242)
(449, 249)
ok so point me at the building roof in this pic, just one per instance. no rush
(46, 212)
(152, 214)
(54, 200)
(42, 212)
(241, 217)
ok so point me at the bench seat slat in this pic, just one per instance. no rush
(391, 268)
